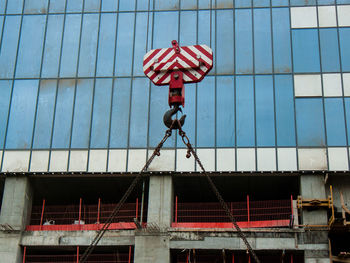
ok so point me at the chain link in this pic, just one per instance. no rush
(190, 151)
(156, 152)
(106, 225)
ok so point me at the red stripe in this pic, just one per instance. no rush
(151, 56)
(189, 74)
(210, 56)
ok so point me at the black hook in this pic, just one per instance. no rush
(168, 121)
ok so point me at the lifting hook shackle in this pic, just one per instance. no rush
(168, 121)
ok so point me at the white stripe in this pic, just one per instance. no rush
(208, 49)
(186, 78)
(152, 60)
(167, 80)
(204, 57)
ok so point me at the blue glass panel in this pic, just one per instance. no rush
(305, 50)
(325, 2)
(165, 29)
(82, 114)
(244, 41)
(127, 5)
(5, 93)
(204, 26)
(44, 115)
(262, 40)
(190, 111)
(139, 113)
(120, 113)
(158, 106)
(142, 5)
(106, 47)
(14, 6)
(261, 3)
(344, 34)
(347, 115)
(343, 1)
(124, 44)
(245, 128)
(285, 122)
(52, 46)
(302, 2)
(101, 113)
(265, 117)
(166, 5)
(188, 33)
(188, 4)
(2, 6)
(243, 3)
(109, 5)
(140, 43)
(57, 6)
(206, 113)
(329, 50)
(74, 6)
(205, 4)
(224, 55)
(31, 45)
(225, 112)
(63, 114)
(225, 3)
(88, 46)
(70, 45)
(310, 123)
(92, 5)
(20, 127)
(281, 40)
(35, 6)
(9, 46)
(280, 3)
(335, 122)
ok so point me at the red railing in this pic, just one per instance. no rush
(83, 217)
(270, 213)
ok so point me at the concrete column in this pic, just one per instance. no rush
(160, 201)
(314, 256)
(152, 244)
(152, 248)
(313, 187)
(14, 216)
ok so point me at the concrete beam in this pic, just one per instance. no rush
(77, 238)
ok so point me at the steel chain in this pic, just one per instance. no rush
(190, 151)
(105, 227)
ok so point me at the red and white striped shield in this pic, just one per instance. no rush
(194, 61)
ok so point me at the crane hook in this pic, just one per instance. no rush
(168, 121)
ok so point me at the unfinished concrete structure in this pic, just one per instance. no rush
(78, 120)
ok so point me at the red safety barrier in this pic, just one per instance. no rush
(270, 213)
(83, 217)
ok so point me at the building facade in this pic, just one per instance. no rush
(270, 123)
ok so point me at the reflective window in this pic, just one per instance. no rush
(44, 114)
(344, 35)
(310, 122)
(21, 121)
(265, 116)
(35, 6)
(305, 50)
(244, 42)
(335, 123)
(224, 55)
(329, 50)
(245, 127)
(5, 97)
